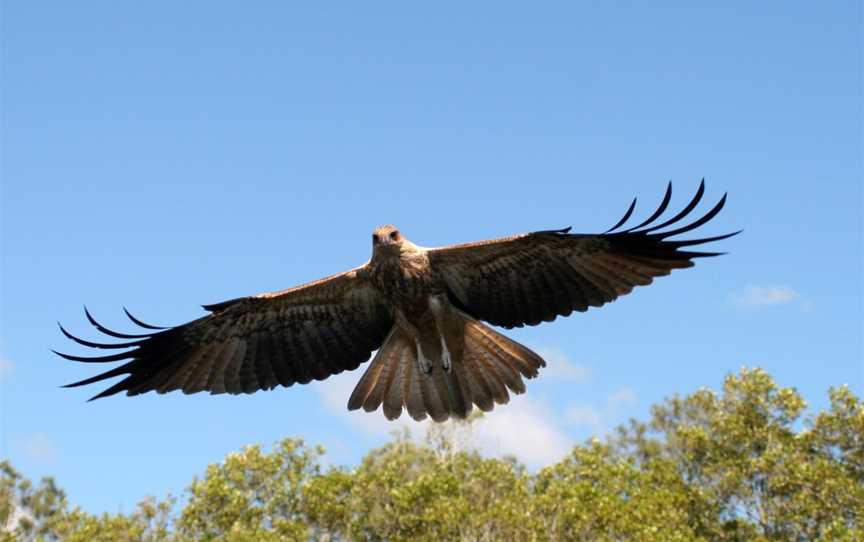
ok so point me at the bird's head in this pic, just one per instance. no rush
(387, 240)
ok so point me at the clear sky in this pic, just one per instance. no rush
(161, 155)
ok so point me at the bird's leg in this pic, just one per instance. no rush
(439, 311)
(422, 361)
(446, 362)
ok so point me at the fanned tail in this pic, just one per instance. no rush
(484, 367)
(493, 364)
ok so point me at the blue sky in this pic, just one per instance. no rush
(162, 155)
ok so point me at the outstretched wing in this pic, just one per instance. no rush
(535, 277)
(252, 343)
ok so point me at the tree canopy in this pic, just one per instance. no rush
(741, 464)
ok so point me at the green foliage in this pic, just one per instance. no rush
(148, 523)
(766, 480)
(735, 466)
(593, 495)
(405, 491)
(41, 513)
(35, 511)
(252, 495)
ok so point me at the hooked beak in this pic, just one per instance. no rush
(388, 246)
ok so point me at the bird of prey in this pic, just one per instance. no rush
(425, 310)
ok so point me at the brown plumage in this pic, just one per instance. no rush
(421, 309)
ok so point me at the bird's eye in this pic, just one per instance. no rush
(374, 239)
(394, 235)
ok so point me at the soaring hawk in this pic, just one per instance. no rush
(422, 309)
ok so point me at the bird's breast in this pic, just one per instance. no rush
(407, 284)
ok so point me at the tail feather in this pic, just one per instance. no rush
(393, 395)
(460, 405)
(509, 376)
(476, 388)
(485, 368)
(376, 394)
(412, 395)
(437, 396)
(521, 359)
(370, 378)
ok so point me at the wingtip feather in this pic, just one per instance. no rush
(116, 334)
(140, 323)
(667, 197)
(623, 218)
